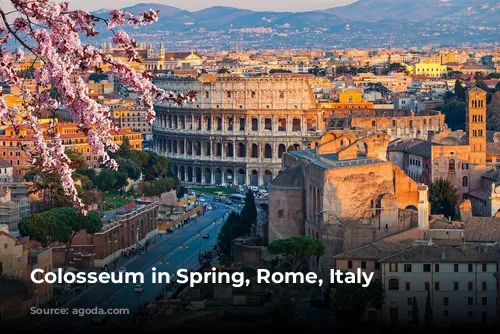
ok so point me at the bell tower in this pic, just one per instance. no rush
(476, 125)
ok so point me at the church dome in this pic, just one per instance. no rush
(292, 177)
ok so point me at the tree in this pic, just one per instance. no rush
(454, 111)
(57, 49)
(249, 213)
(297, 250)
(223, 70)
(106, 180)
(229, 231)
(415, 316)
(129, 167)
(443, 197)
(428, 310)
(44, 228)
(493, 113)
(394, 68)
(459, 91)
(278, 70)
(350, 301)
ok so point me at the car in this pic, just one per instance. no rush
(205, 236)
(229, 202)
(201, 199)
(122, 269)
(139, 288)
(209, 207)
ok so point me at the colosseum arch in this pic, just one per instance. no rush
(218, 121)
(281, 150)
(229, 176)
(182, 173)
(218, 149)
(268, 177)
(170, 121)
(181, 146)
(344, 142)
(174, 121)
(176, 171)
(268, 151)
(255, 151)
(208, 175)
(189, 148)
(241, 150)
(229, 150)
(217, 176)
(169, 146)
(242, 176)
(208, 122)
(254, 178)
(190, 174)
(197, 148)
(174, 146)
(208, 151)
(296, 147)
(182, 120)
(197, 175)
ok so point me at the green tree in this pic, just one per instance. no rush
(428, 310)
(223, 70)
(228, 233)
(349, 302)
(249, 213)
(494, 76)
(454, 111)
(297, 250)
(129, 167)
(45, 228)
(106, 180)
(394, 68)
(459, 91)
(443, 197)
(415, 316)
(493, 113)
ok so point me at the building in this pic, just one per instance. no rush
(238, 128)
(460, 282)
(124, 228)
(13, 206)
(394, 82)
(11, 145)
(134, 117)
(428, 69)
(6, 171)
(344, 191)
(162, 60)
(414, 157)
(348, 99)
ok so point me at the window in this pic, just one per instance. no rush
(446, 301)
(436, 267)
(470, 286)
(253, 93)
(427, 268)
(393, 267)
(427, 286)
(374, 124)
(470, 267)
(436, 286)
(407, 268)
(465, 182)
(6, 245)
(363, 264)
(409, 301)
(485, 267)
(455, 267)
(229, 94)
(282, 94)
(484, 286)
(484, 301)
(455, 286)
(377, 265)
(451, 164)
(470, 301)
(407, 286)
(349, 264)
(280, 214)
(446, 313)
(393, 284)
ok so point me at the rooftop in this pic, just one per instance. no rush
(329, 161)
(374, 251)
(482, 229)
(418, 147)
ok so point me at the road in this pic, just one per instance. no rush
(123, 296)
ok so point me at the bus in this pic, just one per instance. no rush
(238, 197)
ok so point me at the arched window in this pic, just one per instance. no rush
(451, 164)
(393, 284)
(465, 182)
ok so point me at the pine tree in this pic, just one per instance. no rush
(249, 213)
(459, 91)
(415, 313)
(428, 310)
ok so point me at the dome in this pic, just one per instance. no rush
(449, 141)
(292, 177)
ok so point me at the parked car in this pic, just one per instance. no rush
(229, 202)
(209, 207)
(205, 236)
(201, 199)
(139, 288)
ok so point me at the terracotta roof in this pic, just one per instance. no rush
(435, 253)
(5, 164)
(482, 229)
(374, 251)
(418, 147)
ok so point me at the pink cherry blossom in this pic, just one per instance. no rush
(55, 42)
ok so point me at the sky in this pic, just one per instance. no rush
(262, 5)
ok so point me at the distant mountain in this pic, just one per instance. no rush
(363, 23)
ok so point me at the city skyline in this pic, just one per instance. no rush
(258, 5)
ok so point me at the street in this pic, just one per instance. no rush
(177, 250)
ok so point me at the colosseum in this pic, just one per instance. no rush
(238, 128)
